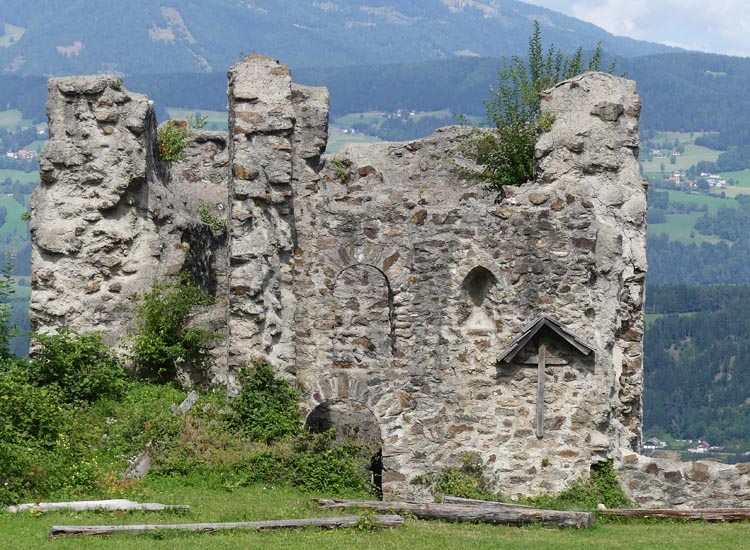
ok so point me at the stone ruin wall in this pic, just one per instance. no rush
(380, 279)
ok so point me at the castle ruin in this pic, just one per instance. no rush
(416, 310)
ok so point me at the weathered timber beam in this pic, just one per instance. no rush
(459, 512)
(705, 514)
(114, 505)
(390, 521)
(475, 502)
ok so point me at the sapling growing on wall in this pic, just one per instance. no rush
(505, 155)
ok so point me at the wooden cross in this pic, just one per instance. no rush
(541, 360)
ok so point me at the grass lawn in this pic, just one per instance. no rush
(13, 222)
(27, 531)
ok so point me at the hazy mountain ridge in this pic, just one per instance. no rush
(86, 36)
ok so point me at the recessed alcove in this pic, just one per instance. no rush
(475, 288)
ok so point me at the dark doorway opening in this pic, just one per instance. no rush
(351, 420)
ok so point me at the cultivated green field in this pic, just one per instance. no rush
(12, 119)
(13, 222)
(693, 154)
(214, 119)
(19, 175)
(713, 203)
(679, 227)
(28, 531)
(37, 145)
(337, 139)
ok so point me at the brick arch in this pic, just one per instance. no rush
(364, 328)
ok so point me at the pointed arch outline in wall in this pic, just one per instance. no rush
(390, 334)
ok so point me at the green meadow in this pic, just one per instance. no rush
(29, 531)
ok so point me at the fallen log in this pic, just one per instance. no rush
(112, 505)
(389, 521)
(711, 515)
(475, 502)
(461, 512)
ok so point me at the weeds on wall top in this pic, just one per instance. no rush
(505, 155)
(173, 139)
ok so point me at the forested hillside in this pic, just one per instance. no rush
(698, 362)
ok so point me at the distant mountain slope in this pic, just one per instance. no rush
(141, 36)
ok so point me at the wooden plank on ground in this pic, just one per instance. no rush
(476, 502)
(711, 515)
(389, 521)
(459, 512)
(112, 505)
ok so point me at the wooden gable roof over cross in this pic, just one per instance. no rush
(541, 359)
(534, 328)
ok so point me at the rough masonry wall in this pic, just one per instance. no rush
(668, 482)
(381, 279)
(411, 281)
(278, 132)
(109, 218)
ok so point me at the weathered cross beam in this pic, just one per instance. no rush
(528, 336)
(541, 360)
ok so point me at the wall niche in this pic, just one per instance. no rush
(475, 289)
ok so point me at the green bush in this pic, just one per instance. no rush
(163, 339)
(267, 407)
(81, 365)
(320, 464)
(173, 139)
(600, 487)
(467, 480)
(29, 412)
(506, 155)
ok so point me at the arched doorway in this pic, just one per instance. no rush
(351, 420)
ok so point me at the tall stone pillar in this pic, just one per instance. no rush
(262, 235)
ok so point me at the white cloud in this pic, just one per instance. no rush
(720, 26)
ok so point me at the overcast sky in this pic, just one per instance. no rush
(718, 26)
